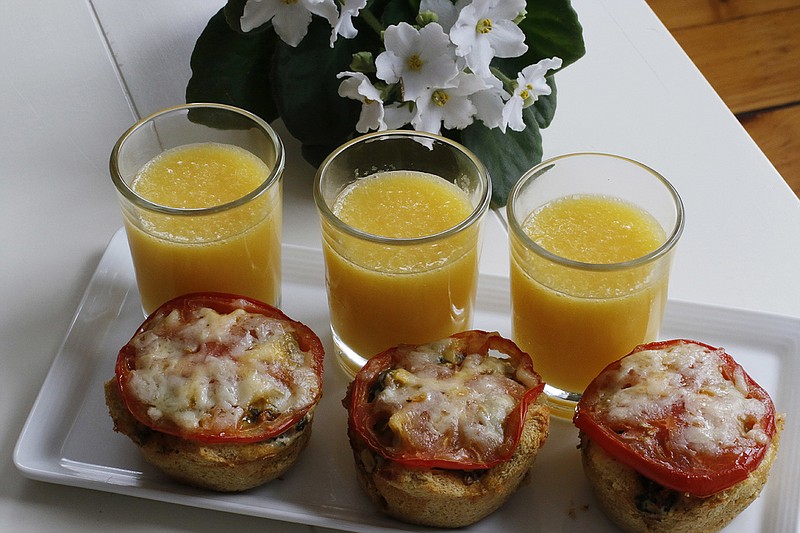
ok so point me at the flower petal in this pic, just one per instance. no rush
(512, 114)
(507, 39)
(371, 117)
(357, 86)
(458, 113)
(444, 9)
(324, 8)
(344, 24)
(489, 103)
(256, 13)
(397, 115)
(501, 9)
(428, 117)
(291, 23)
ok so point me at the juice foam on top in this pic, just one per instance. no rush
(200, 175)
(594, 229)
(402, 204)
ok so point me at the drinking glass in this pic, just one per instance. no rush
(576, 312)
(193, 242)
(386, 290)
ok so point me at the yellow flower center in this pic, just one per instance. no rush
(484, 26)
(414, 62)
(525, 93)
(440, 97)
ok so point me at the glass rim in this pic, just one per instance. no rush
(669, 243)
(477, 213)
(139, 201)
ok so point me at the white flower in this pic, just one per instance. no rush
(485, 29)
(344, 24)
(417, 58)
(449, 105)
(357, 86)
(531, 84)
(446, 10)
(489, 103)
(290, 18)
(398, 114)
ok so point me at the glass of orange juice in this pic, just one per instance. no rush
(591, 237)
(200, 187)
(401, 214)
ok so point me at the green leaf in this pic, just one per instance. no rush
(396, 11)
(233, 68)
(506, 155)
(233, 12)
(552, 29)
(306, 89)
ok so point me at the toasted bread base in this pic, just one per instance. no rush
(447, 498)
(218, 467)
(638, 505)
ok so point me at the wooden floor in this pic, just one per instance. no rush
(749, 50)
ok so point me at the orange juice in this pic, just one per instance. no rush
(236, 250)
(574, 321)
(383, 294)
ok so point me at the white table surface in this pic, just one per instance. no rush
(76, 73)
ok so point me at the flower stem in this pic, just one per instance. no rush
(508, 83)
(499, 74)
(372, 21)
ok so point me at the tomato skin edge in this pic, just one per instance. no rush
(221, 303)
(359, 390)
(701, 485)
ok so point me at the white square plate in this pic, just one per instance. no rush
(68, 438)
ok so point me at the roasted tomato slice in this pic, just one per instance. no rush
(459, 403)
(681, 413)
(220, 368)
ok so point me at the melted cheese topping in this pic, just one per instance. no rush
(210, 372)
(459, 407)
(717, 414)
